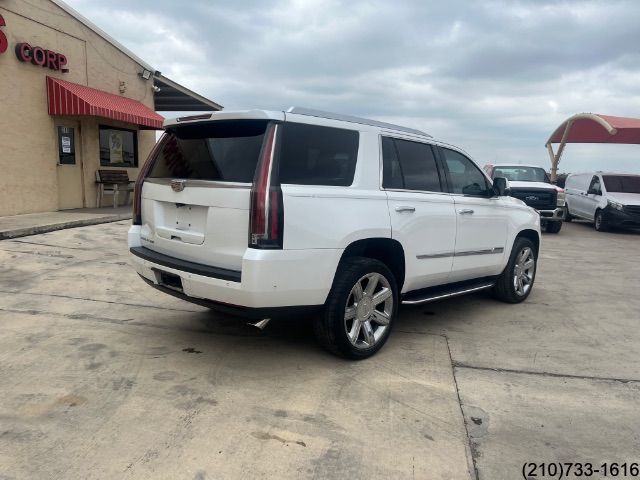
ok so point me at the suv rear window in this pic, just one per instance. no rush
(314, 155)
(225, 151)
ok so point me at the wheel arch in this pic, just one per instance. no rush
(531, 235)
(387, 250)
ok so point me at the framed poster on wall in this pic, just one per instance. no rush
(118, 147)
(66, 146)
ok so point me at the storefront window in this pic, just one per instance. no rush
(118, 147)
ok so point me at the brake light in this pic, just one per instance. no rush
(267, 213)
(142, 174)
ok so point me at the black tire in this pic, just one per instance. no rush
(553, 227)
(600, 222)
(505, 287)
(330, 326)
(567, 216)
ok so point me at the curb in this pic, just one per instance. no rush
(37, 229)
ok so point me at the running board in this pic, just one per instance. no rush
(446, 291)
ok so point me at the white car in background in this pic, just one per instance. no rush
(328, 217)
(606, 199)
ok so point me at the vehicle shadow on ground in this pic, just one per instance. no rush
(297, 333)
(614, 230)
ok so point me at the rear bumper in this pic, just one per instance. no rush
(556, 215)
(269, 279)
(184, 266)
(253, 313)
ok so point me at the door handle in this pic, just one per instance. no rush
(465, 211)
(405, 208)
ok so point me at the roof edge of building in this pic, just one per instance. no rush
(92, 26)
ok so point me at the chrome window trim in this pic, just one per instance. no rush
(400, 190)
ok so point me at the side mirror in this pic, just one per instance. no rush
(501, 187)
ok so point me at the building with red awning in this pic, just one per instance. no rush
(73, 102)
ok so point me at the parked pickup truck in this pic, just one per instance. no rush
(327, 217)
(531, 184)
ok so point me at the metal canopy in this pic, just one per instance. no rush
(173, 97)
(591, 128)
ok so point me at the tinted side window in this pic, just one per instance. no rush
(314, 155)
(391, 171)
(595, 184)
(409, 165)
(466, 177)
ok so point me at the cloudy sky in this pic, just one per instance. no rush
(494, 77)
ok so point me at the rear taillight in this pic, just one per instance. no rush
(142, 174)
(267, 213)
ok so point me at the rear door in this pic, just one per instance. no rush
(195, 200)
(422, 213)
(481, 219)
(576, 191)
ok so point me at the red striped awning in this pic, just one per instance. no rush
(66, 98)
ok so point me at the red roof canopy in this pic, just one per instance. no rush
(66, 98)
(596, 128)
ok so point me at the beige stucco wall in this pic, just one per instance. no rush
(28, 139)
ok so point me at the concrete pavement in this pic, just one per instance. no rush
(34, 223)
(104, 377)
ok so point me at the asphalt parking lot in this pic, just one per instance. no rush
(102, 377)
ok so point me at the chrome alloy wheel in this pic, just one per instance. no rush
(523, 271)
(368, 311)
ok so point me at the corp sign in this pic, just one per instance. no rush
(39, 56)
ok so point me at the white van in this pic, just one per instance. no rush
(606, 199)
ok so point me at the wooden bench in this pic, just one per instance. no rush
(113, 182)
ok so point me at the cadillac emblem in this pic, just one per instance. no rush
(178, 185)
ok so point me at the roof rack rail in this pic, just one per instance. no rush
(348, 118)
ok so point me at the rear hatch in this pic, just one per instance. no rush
(195, 199)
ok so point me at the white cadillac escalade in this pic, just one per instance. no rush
(262, 213)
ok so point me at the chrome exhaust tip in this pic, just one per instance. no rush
(260, 323)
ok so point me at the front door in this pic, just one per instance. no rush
(70, 182)
(480, 219)
(421, 212)
(592, 198)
